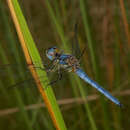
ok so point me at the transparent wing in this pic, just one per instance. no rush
(76, 51)
(20, 81)
(75, 44)
(14, 72)
(14, 67)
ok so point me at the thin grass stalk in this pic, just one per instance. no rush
(58, 15)
(31, 54)
(3, 90)
(62, 5)
(94, 58)
(126, 25)
(125, 21)
(117, 113)
(47, 123)
(89, 37)
(108, 59)
(13, 48)
(56, 23)
(36, 112)
(118, 52)
(87, 108)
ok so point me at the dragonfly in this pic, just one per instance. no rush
(71, 64)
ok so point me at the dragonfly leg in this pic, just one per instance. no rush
(82, 53)
(47, 69)
(23, 82)
(59, 78)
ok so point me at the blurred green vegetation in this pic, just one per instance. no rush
(102, 30)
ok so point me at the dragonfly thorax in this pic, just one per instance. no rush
(72, 63)
(68, 62)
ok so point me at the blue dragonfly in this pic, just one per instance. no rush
(71, 64)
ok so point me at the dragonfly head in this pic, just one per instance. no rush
(51, 52)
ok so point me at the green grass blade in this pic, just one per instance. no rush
(48, 94)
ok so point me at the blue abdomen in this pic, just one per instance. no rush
(85, 77)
